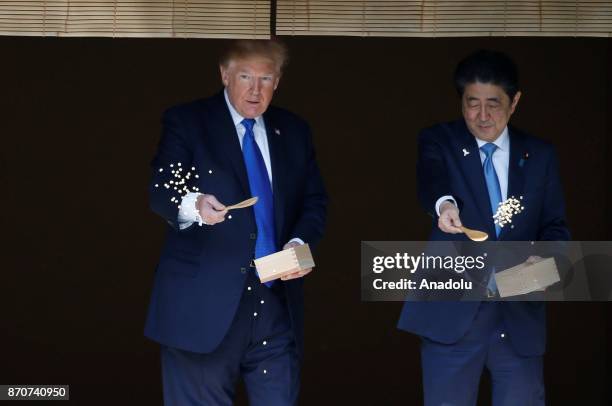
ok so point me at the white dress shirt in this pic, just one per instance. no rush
(501, 161)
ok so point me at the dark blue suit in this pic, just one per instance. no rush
(444, 169)
(203, 272)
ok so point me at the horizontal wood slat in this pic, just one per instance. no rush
(430, 18)
(117, 18)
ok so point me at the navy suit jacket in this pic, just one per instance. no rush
(533, 173)
(202, 271)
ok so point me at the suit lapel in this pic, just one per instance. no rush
(224, 139)
(516, 168)
(275, 144)
(474, 176)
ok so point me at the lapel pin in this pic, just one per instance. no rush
(277, 131)
(523, 159)
(466, 152)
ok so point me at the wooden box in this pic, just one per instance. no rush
(526, 278)
(284, 262)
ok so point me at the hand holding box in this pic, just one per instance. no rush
(284, 262)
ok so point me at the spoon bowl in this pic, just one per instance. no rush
(475, 235)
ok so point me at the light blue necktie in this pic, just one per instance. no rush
(495, 196)
(260, 187)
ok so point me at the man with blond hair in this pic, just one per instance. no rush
(214, 320)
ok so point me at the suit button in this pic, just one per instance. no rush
(253, 236)
(243, 270)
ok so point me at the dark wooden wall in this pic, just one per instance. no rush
(80, 122)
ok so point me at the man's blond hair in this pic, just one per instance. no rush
(272, 49)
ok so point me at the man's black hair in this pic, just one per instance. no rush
(486, 67)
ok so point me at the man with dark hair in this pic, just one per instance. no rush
(465, 169)
(213, 318)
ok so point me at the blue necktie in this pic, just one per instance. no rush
(494, 195)
(260, 187)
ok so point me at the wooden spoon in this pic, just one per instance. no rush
(474, 235)
(243, 204)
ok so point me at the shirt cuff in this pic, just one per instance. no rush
(188, 213)
(442, 200)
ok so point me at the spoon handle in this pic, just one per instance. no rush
(243, 204)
